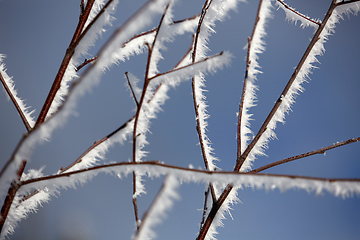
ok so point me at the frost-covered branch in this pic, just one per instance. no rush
(256, 45)
(339, 187)
(304, 155)
(212, 11)
(142, 113)
(136, 44)
(65, 62)
(293, 16)
(200, 113)
(292, 88)
(20, 106)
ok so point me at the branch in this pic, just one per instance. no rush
(87, 61)
(286, 7)
(139, 109)
(241, 105)
(264, 127)
(196, 104)
(131, 89)
(17, 106)
(308, 154)
(155, 168)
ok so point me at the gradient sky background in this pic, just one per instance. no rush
(34, 36)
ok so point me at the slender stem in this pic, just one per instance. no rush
(297, 13)
(139, 108)
(96, 143)
(346, 2)
(241, 105)
(308, 154)
(134, 200)
(248, 62)
(196, 104)
(86, 62)
(21, 113)
(131, 89)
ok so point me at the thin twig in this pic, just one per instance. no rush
(21, 113)
(304, 155)
(205, 208)
(264, 126)
(297, 13)
(139, 108)
(196, 104)
(86, 62)
(248, 62)
(131, 89)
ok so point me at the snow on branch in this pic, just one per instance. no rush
(294, 16)
(9, 87)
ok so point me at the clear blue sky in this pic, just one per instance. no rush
(35, 34)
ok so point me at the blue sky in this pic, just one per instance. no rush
(34, 36)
